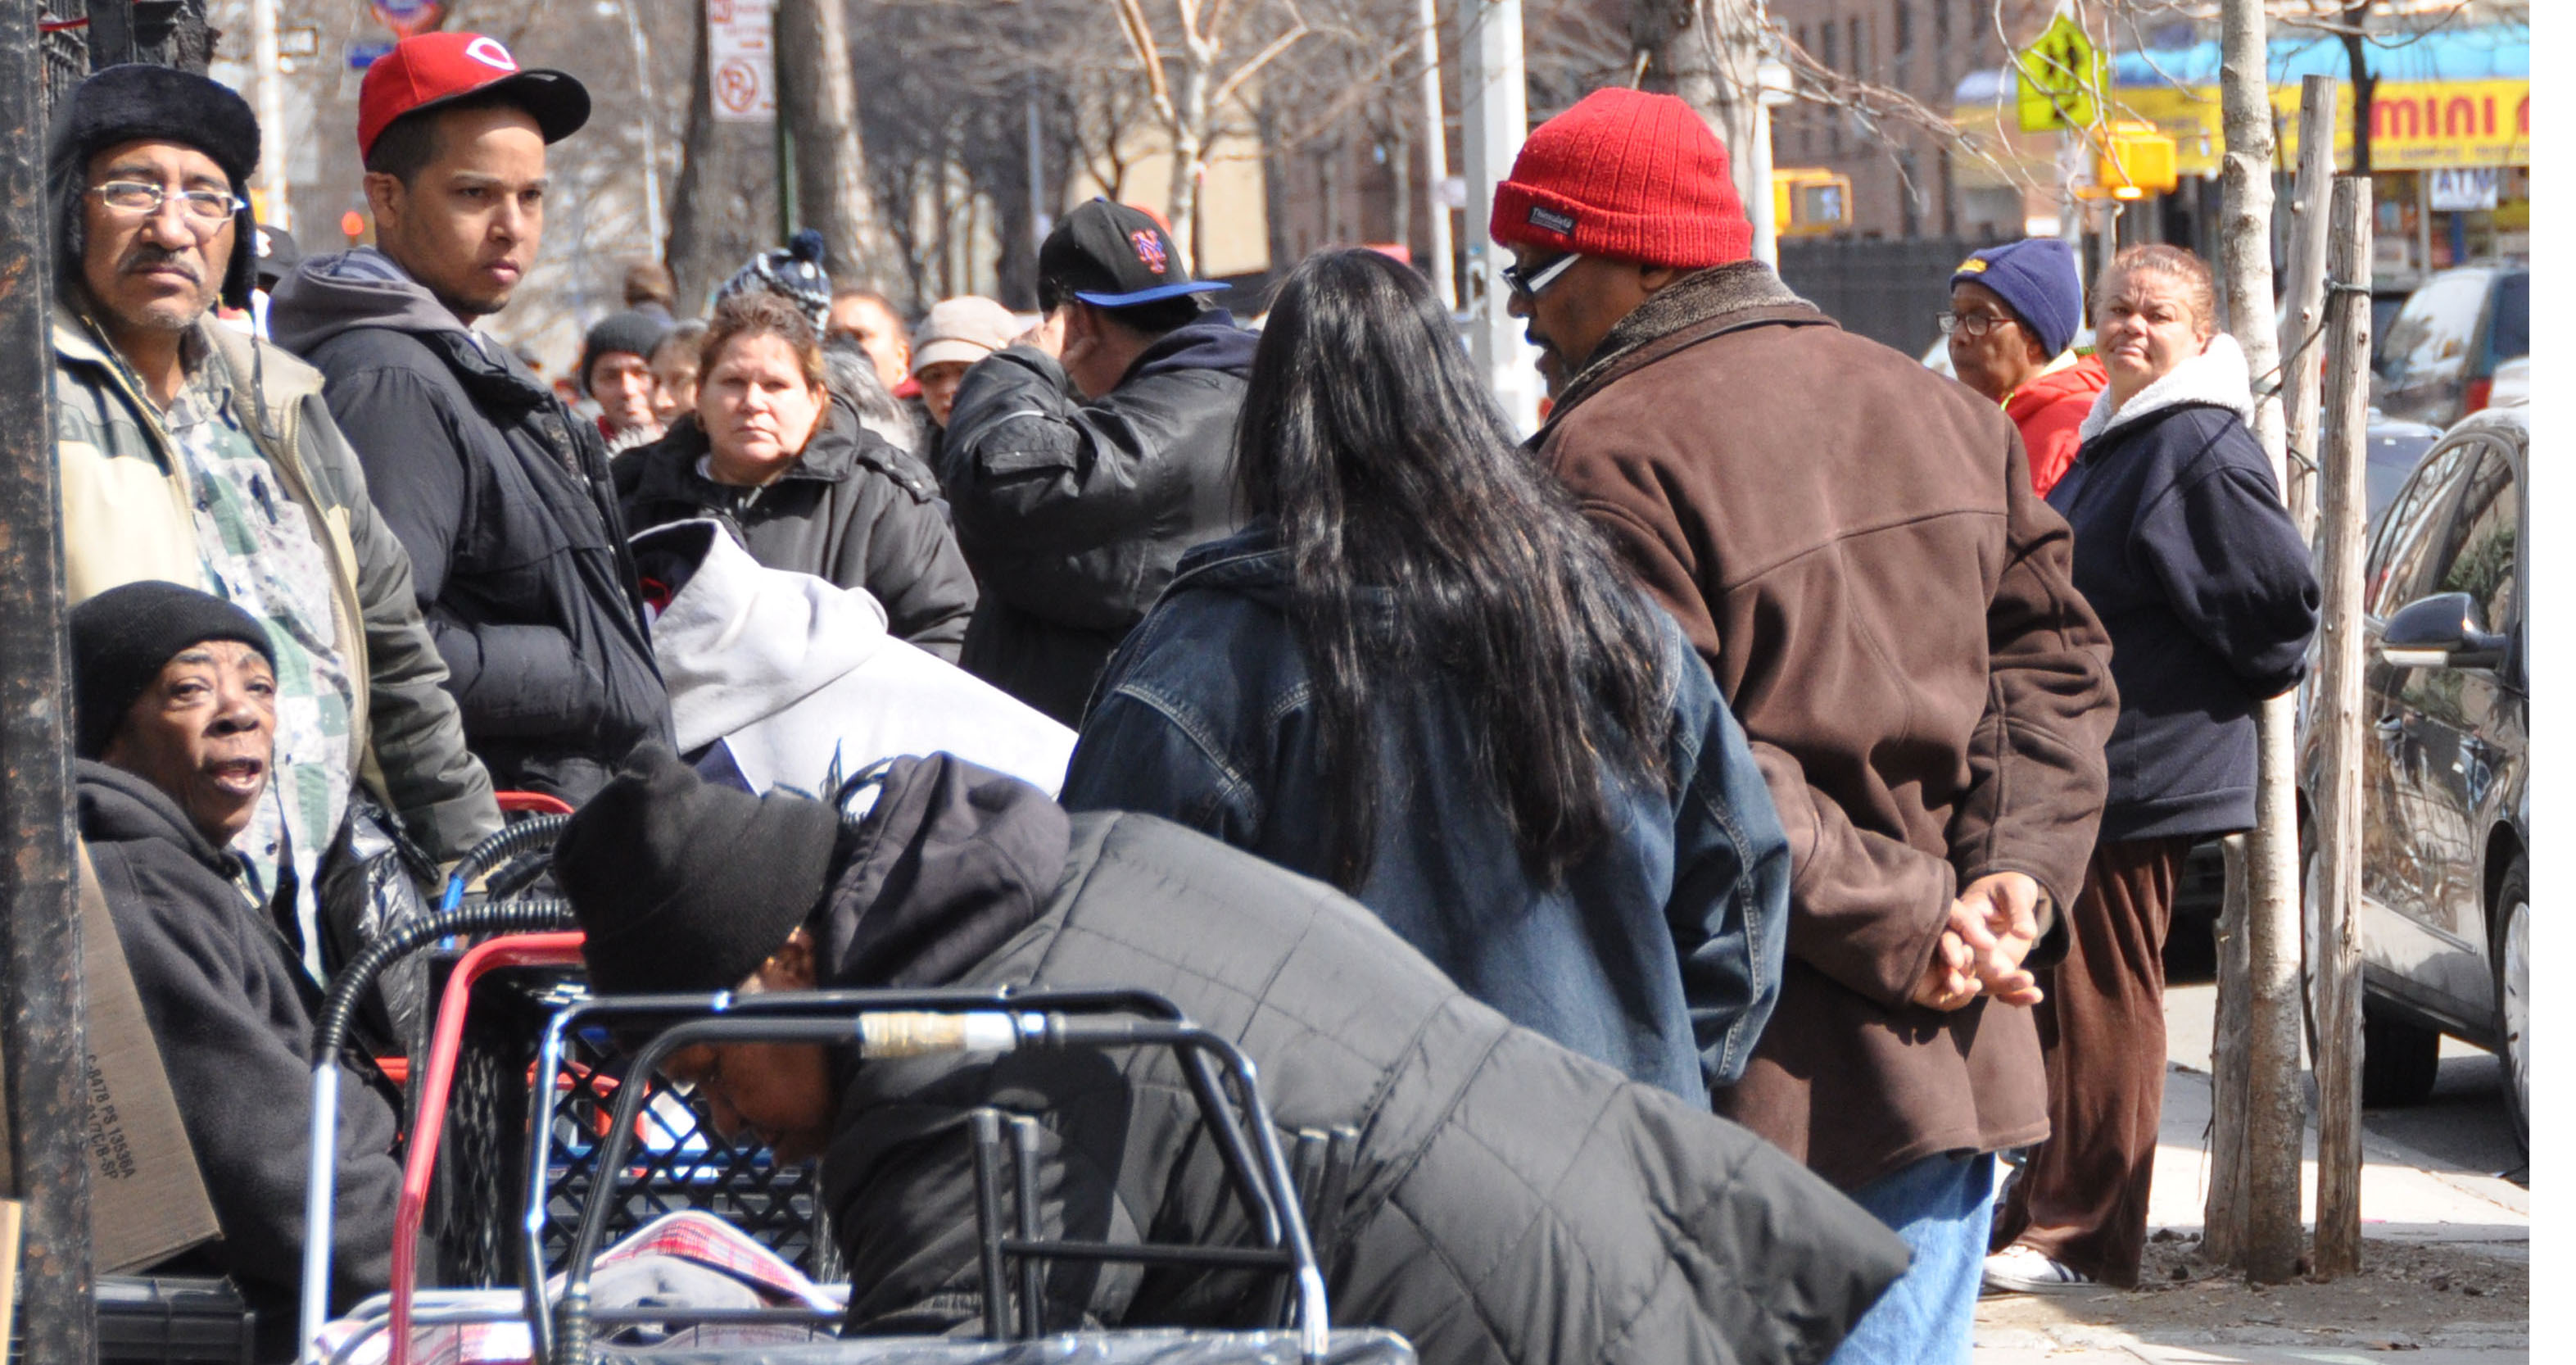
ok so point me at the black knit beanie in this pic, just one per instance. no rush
(626, 333)
(681, 885)
(137, 101)
(122, 638)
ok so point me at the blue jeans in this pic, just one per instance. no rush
(1942, 1206)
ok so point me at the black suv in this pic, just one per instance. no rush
(2445, 917)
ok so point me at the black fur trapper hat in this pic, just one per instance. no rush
(135, 102)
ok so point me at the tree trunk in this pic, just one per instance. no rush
(2365, 86)
(2231, 1051)
(2275, 1104)
(1189, 146)
(2338, 701)
(822, 112)
(2303, 324)
(724, 198)
(1707, 52)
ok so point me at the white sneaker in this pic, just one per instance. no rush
(2019, 1269)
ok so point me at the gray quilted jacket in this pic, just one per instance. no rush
(1510, 1201)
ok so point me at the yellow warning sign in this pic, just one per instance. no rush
(2060, 79)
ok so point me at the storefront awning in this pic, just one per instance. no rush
(2445, 100)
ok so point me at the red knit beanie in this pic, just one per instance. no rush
(1628, 175)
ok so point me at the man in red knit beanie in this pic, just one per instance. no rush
(1853, 545)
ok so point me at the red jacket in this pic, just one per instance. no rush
(2049, 410)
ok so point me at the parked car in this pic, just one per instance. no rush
(2437, 362)
(2445, 917)
(2390, 451)
(2512, 387)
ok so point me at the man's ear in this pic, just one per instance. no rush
(386, 197)
(1654, 279)
(791, 968)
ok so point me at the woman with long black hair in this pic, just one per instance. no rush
(1418, 674)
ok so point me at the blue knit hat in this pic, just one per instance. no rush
(2035, 277)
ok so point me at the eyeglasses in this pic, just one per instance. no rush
(1974, 324)
(204, 209)
(1528, 285)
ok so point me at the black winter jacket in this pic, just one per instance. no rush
(1510, 1201)
(1074, 514)
(2184, 550)
(852, 509)
(233, 1017)
(502, 497)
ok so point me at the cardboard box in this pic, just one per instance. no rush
(147, 1201)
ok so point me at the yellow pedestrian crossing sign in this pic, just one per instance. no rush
(2062, 77)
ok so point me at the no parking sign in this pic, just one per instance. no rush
(742, 61)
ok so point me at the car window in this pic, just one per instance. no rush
(2478, 545)
(2510, 334)
(2430, 339)
(2394, 573)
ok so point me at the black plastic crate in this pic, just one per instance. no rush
(477, 1199)
(170, 1320)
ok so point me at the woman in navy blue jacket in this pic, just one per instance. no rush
(1419, 674)
(2205, 585)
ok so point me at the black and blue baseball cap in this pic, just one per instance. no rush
(1113, 256)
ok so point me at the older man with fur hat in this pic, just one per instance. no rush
(1853, 545)
(194, 454)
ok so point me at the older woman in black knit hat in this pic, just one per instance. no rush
(175, 694)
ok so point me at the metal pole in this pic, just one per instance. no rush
(1435, 160)
(652, 137)
(2338, 715)
(43, 1043)
(1761, 205)
(274, 209)
(1494, 119)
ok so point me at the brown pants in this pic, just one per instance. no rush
(2082, 1196)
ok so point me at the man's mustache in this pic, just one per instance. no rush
(145, 256)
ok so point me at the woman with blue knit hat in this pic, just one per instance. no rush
(2014, 313)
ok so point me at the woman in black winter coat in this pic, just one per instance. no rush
(787, 465)
(2184, 550)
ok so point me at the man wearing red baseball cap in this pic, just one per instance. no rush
(1852, 544)
(501, 496)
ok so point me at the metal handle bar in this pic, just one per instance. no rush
(322, 1133)
(1022, 1028)
(1241, 1164)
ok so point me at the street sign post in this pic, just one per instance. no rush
(2061, 77)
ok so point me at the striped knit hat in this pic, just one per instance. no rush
(1627, 175)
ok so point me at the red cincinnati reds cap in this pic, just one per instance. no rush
(432, 69)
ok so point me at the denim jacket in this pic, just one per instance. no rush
(1659, 954)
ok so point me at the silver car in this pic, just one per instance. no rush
(2445, 917)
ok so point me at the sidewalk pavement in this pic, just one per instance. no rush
(2445, 1282)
